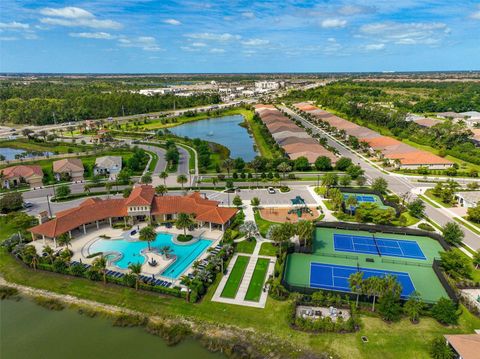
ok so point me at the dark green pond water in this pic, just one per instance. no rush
(30, 331)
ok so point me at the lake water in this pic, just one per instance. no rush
(30, 331)
(224, 130)
(10, 153)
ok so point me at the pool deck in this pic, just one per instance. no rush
(81, 243)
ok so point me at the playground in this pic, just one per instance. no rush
(338, 253)
(298, 211)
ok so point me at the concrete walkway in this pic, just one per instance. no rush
(329, 217)
(243, 288)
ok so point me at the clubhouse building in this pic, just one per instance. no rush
(142, 205)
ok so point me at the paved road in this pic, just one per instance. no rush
(398, 184)
(160, 152)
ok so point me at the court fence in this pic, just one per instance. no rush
(384, 229)
(334, 255)
(452, 294)
(394, 205)
(407, 263)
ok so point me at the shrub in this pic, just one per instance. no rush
(445, 311)
(426, 227)
(129, 320)
(7, 292)
(172, 334)
(49, 303)
(440, 350)
(184, 237)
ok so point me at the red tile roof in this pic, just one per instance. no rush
(141, 196)
(25, 171)
(96, 209)
(418, 158)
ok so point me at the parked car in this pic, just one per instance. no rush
(27, 204)
(271, 190)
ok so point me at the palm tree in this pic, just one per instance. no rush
(205, 276)
(164, 175)
(135, 269)
(372, 286)
(187, 282)
(184, 221)
(228, 164)
(166, 251)
(30, 256)
(101, 264)
(351, 202)
(148, 235)
(284, 168)
(49, 253)
(304, 231)
(414, 306)
(64, 240)
(214, 181)
(161, 190)
(355, 281)
(182, 179)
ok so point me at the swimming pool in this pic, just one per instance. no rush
(130, 252)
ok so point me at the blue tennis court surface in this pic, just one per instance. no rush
(386, 247)
(335, 277)
(360, 198)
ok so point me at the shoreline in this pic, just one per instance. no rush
(229, 340)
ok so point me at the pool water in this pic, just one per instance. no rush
(130, 252)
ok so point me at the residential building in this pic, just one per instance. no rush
(108, 165)
(465, 346)
(141, 205)
(16, 175)
(70, 169)
(468, 199)
(476, 136)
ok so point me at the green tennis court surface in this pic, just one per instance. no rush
(423, 278)
(365, 198)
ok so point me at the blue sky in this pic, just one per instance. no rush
(238, 36)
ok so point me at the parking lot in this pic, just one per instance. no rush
(266, 199)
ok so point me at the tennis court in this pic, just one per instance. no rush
(360, 197)
(377, 245)
(335, 277)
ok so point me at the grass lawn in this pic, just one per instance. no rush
(470, 225)
(410, 220)
(191, 159)
(268, 249)
(7, 228)
(235, 277)
(431, 196)
(262, 224)
(390, 341)
(263, 147)
(258, 278)
(246, 246)
(60, 147)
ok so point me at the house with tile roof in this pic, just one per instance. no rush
(465, 346)
(68, 168)
(108, 165)
(16, 175)
(142, 205)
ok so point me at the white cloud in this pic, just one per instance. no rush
(199, 44)
(14, 26)
(172, 22)
(73, 16)
(349, 10)
(406, 33)
(8, 38)
(255, 42)
(146, 43)
(93, 35)
(214, 37)
(217, 51)
(476, 15)
(333, 23)
(248, 14)
(374, 47)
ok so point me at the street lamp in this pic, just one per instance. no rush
(49, 208)
(318, 180)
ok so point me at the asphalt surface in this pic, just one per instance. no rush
(397, 184)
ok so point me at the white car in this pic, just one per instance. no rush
(271, 190)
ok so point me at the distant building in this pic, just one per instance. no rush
(465, 346)
(468, 199)
(476, 136)
(265, 86)
(16, 175)
(108, 165)
(68, 168)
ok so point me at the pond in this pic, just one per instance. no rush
(15, 153)
(224, 130)
(30, 331)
